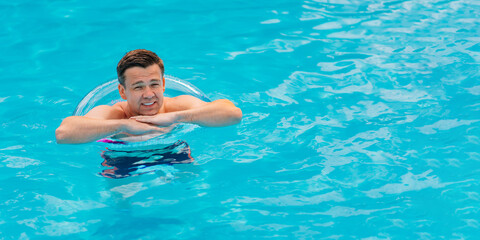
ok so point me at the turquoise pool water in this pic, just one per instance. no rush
(361, 120)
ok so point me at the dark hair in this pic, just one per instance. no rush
(137, 58)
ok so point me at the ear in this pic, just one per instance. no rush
(164, 84)
(121, 90)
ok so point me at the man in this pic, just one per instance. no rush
(142, 83)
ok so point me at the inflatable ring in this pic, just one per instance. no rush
(107, 94)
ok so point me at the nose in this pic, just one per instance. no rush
(148, 93)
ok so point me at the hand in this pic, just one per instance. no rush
(161, 119)
(133, 127)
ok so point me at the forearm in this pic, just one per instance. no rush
(77, 129)
(218, 113)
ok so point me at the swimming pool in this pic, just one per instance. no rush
(361, 120)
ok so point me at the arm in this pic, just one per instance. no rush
(188, 109)
(100, 122)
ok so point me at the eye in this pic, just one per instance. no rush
(137, 88)
(155, 85)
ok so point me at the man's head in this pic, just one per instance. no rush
(137, 58)
(142, 82)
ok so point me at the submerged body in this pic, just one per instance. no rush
(123, 164)
(146, 110)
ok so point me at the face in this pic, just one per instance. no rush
(143, 90)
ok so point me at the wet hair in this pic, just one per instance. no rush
(137, 58)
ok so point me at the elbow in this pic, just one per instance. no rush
(60, 135)
(63, 137)
(234, 112)
(64, 134)
(228, 115)
(237, 115)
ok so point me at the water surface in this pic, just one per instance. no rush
(361, 120)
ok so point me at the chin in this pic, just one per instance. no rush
(149, 113)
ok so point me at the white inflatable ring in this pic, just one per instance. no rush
(107, 94)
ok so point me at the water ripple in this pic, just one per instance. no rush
(409, 182)
(445, 125)
(361, 119)
(290, 200)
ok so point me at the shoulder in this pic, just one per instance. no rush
(182, 102)
(108, 112)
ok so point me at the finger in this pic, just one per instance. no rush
(140, 117)
(158, 130)
(144, 120)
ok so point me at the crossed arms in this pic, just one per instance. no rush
(103, 121)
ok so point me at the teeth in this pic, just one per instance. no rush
(148, 104)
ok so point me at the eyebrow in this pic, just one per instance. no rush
(139, 82)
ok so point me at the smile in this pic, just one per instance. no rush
(148, 104)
